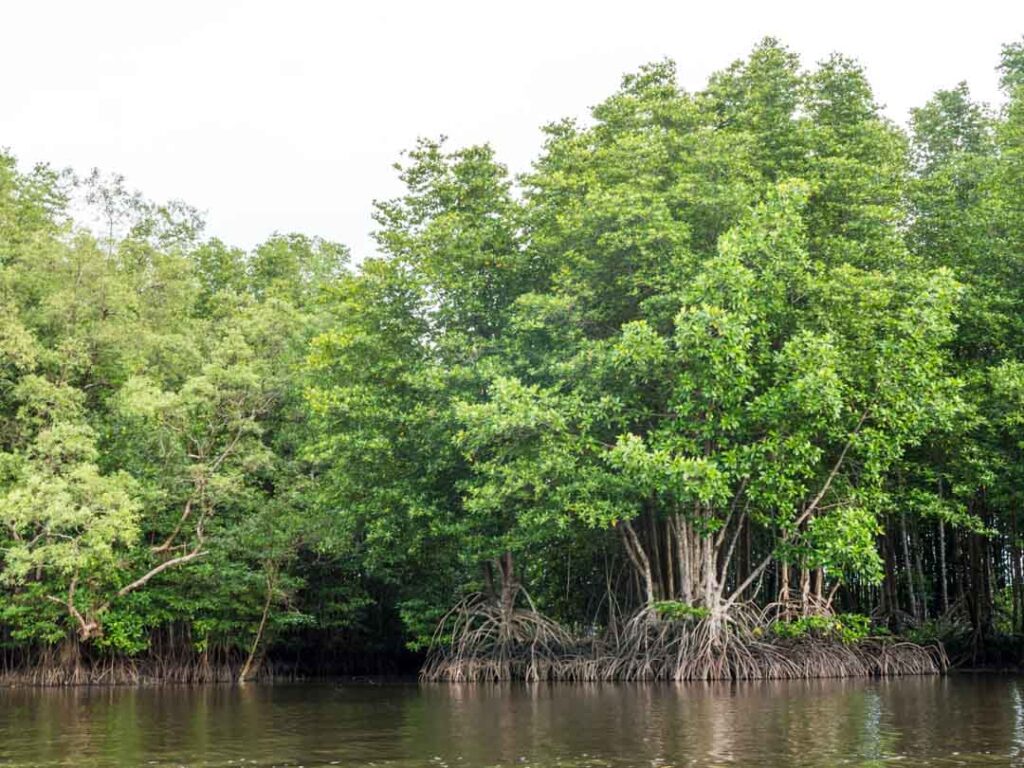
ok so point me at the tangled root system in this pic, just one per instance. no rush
(70, 665)
(739, 647)
(478, 641)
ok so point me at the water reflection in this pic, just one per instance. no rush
(913, 722)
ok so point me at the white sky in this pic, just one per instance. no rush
(288, 115)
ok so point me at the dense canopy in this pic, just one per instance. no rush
(746, 347)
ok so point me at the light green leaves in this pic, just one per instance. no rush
(62, 516)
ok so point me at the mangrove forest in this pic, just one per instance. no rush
(728, 384)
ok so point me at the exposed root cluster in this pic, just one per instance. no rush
(739, 647)
(68, 665)
(478, 642)
(481, 640)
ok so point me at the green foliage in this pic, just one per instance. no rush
(847, 628)
(708, 339)
(673, 610)
(151, 401)
(702, 311)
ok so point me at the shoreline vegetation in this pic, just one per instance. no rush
(537, 650)
(729, 384)
(483, 643)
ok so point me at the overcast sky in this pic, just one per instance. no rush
(288, 115)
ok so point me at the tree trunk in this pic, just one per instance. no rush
(683, 555)
(639, 559)
(922, 602)
(654, 547)
(943, 578)
(908, 566)
(670, 575)
(509, 583)
(250, 667)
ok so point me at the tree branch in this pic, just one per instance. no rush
(756, 573)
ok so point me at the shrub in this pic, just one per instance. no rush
(845, 627)
(675, 610)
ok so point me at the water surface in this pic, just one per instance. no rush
(958, 720)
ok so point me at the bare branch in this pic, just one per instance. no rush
(142, 580)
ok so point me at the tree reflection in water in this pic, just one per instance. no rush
(917, 721)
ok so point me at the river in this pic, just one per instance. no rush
(956, 720)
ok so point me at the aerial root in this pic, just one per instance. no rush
(478, 642)
(70, 664)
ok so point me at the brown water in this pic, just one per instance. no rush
(958, 720)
